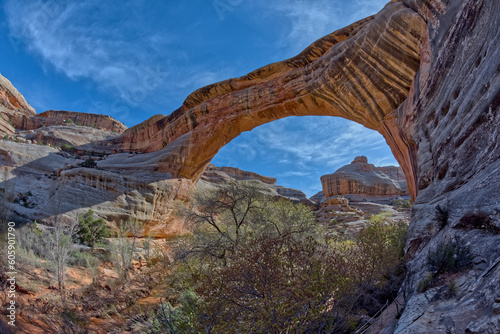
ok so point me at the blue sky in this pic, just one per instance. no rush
(134, 59)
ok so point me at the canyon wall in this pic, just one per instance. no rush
(11, 103)
(62, 117)
(17, 114)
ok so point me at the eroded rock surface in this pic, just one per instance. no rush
(11, 103)
(363, 180)
(425, 74)
(120, 188)
(62, 117)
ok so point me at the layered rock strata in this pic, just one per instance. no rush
(219, 174)
(61, 117)
(17, 114)
(118, 189)
(363, 179)
(11, 103)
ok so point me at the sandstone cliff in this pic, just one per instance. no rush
(119, 189)
(362, 72)
(61, 117)
(17, 114)
(362, 179)
(219, 174)
(11, 103)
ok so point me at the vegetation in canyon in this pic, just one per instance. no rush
(253, 263)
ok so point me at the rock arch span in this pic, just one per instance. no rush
(362, 72)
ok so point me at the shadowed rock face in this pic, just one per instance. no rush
(362, 72)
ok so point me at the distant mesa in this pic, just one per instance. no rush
(62, 117)
(220, 174)
(361, 180)
(17, 114)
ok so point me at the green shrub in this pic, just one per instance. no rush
(403, 204)
(181, 319)
(449, 256)
(452, 288)
(441, 215)
(426, 282)
(68, 148)
(381, 217)
(89, 163)
(90, 230)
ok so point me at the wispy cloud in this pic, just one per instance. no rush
(323, 140)
(313, 19)
(293, 173)
(104, 42)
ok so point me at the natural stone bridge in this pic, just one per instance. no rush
(362, 73)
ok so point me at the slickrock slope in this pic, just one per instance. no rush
(219, 174)
(17, 114)
(362, 179)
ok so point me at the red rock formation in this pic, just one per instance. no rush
(61, 117)
(425, 74)
(16, 113)
(12, 105)
(217, 174)
(362, 178)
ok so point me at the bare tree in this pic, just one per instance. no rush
(59, 239)
(146, 245)
(124, 248)
(222, 217)
(4, 200)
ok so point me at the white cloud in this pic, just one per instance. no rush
(323, 140)
(130, 60)
(313, 19)
(80, 48)
(293, 173)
